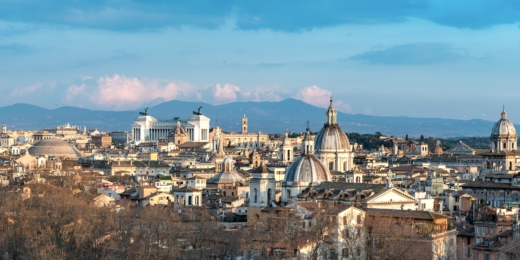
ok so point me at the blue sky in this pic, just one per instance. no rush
(449, 59)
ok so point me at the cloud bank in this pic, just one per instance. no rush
(119, 92)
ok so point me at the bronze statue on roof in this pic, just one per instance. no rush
(145, 113)
(198, 111)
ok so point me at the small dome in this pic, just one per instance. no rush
(226, 178)
(54, 147)
(503, 128)
(306, 170)
(438, 150)
(331, 138)
(178, 130)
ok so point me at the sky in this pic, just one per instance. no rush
(439, 58)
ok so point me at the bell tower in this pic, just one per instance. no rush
(244, 125)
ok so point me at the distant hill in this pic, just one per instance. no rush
(269, 117)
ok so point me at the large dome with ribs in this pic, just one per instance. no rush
(503, 128)
(55, 147)
(306, 170)
(331, 138)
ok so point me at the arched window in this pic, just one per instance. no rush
(288, 155)
(189, 200)
(256, 195)
(288, 193)
(196, 200)
(358, 179)
(504, 145)
(510, 166)
(331, 165)
(268, 196)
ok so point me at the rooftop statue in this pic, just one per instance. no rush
(145, 113)
(198, 111)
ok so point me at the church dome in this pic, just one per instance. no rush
(178, 130)
(438, 148)
(306, 170)
(55, 147)
(229, 175)
(331, 138)
(503, 128)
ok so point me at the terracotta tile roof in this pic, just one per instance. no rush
(412, 214)
(489, 185)
(185, 189)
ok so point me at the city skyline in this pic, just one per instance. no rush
(417, 59)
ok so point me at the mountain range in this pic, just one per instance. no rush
(268, 117)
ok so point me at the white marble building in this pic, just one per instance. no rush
(148, 128)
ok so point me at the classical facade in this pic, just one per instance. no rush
(121, 137)
(262, 186)
(332, 145)
(245, 138)
(147, 128)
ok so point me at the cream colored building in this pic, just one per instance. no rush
(245, 138)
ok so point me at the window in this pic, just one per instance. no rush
(486, 256)
(475, 255)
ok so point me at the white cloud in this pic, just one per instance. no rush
(226, 93)
(121, 92)
(260, 96)
(320, 97)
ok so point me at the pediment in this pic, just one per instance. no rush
(461, 148)
(390, 196)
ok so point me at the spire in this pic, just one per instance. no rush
(331, 114)
(504, 115)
